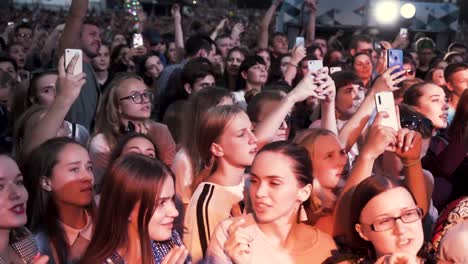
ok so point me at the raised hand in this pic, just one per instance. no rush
(237, 29)
(326, 89)
(69, 85)
(221, 24)
(305, 89)
(408, 144)
(379, 138)
(388, 81)
(298, 53)
(238, 245)
(177, 255)
(175, 11)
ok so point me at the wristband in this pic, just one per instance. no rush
(411, 164)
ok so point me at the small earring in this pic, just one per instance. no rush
(302, 214)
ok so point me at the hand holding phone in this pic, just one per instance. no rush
(300, 42)
(314, 65)
(137, 40)
(385, 102)
(395, 57)
(78, 66)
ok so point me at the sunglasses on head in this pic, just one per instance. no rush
(416, 123)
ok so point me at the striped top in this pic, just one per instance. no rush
(210, 204)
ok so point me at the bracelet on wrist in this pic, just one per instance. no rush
(411, 164)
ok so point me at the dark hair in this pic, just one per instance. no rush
(453, 68)
(412, 95)
(248, 62)
(413, 120)
(455, 45)
(327, 59)
(174, 118)
(256, 103)
(343, 78)
(42, 210)
(132, 178)
(428, 77)
(364, 192)
(301, 166)
(10, 60)
(353, 60)
(460, 120)
(196, 43)
(276, 34)
(353, 43)
(6, 81)
(140, 68)
(23, 25)
(122, 142)
(92, 22)
(195, 69)
(238, 49)
(449, 57)
(32, 88)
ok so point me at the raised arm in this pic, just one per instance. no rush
(266, 130)
(218, 28)
(70, 38)
(351, 131)
(312, 6)
(51, 43)
(68, 89)
(262, 42)
(298, 53)
(327, 88)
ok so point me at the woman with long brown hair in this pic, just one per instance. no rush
(136, 225)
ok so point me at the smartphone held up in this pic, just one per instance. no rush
(69, 55)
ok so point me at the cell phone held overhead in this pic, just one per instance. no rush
(394, 58)
(68, 56)
(314, 65)
(385, 102)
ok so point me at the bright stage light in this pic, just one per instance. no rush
(386, 12)
(408, 10)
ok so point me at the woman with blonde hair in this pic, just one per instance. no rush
(126, 107)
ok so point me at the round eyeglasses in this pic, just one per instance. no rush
(139, 98)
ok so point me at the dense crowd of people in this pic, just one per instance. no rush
(218, 143)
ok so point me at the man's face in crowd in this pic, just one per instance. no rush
(322, 43)
(362, 46)
(224, 45)
(7, 67)
(24, 37)
(458, 82)
(210, 55)
(425, 56)
(90, 40)
(280, 45)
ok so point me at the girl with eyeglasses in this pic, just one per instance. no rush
(126, 107)
(253, 74)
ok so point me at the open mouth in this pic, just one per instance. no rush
(18, 209)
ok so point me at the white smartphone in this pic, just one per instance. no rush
(69, 54)
(385, 102)
(335, 69)
(137, 40)
(403, 32)
(300, 41)
(315, 65)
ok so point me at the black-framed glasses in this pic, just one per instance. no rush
(416, 123)
(139, 98)
(409, 216)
